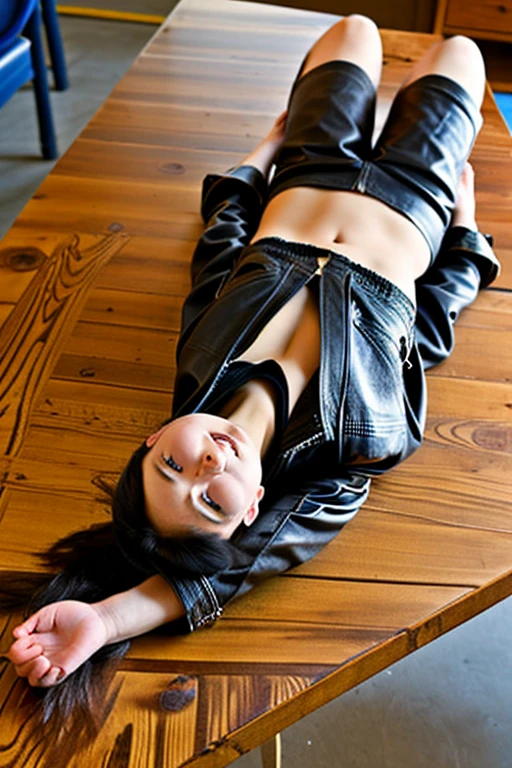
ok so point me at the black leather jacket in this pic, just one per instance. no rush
(298, 518)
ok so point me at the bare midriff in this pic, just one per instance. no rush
(359, 227)
(362, 229)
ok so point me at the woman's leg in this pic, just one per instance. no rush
(329, 125)
(429, 133)
(331, 108)
(458, 58)
(356, 39)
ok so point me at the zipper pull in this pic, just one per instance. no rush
(321, 261)
(404, 352)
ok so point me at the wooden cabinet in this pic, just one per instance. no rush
(485, 19)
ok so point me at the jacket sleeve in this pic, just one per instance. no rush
(231, 207)
(292, 530)
(465, 264)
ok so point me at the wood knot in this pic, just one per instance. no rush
(22, 259)
(174, 169)
(179, 693)
(494, 438)
(87, 372)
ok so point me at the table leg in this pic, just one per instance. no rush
(271, 753)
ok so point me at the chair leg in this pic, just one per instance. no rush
(54, 37)
(271, 752)
(41, 90)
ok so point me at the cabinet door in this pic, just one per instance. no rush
(491, 16)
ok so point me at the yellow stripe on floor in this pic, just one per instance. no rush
(97, 13)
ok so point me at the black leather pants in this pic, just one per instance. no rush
(416, 162)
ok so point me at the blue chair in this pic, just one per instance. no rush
(22, 59)
(53, 36)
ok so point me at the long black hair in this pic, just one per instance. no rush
(92, 564)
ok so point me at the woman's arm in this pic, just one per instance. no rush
(55, 641)
(465, 264)
(231, 206)
(265, 153)
(139, 610)
(464, 213)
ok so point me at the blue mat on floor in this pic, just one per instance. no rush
(504, 102)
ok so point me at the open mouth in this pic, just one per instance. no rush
(226, 440)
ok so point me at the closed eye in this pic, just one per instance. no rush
(171, 463)
(211, 503)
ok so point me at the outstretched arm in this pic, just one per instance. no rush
(56, 640)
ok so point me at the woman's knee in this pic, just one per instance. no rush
(358, 25)
(354, 38)
(458, 58)
(464, 50)
(465, 64)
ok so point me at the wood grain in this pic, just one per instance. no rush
(36, 327)
(483, 16)
(92, 278)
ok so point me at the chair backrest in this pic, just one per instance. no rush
(14, 14)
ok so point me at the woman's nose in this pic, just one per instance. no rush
(213, 460)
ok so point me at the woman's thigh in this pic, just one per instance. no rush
(457, 58)
(356, 39)
(331, 108)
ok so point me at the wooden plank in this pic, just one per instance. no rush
(470, 492)
(109, 307)
(160, 264)
(179, 168)
(37, 326)
(389, 546)
(77, 401)
(63, 514)
(117, 372)
(150, 347)
(480, 354)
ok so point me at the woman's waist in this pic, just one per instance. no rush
(363, 229)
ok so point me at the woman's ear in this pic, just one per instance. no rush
(151, 440)
(253, 511)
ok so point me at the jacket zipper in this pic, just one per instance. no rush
(309, 441)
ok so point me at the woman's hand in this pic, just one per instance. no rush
(55, 641)
(465, 205)
(265, 153)
(275, 136)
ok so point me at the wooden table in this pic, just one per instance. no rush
(92, 277)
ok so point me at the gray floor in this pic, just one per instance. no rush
(450, 704)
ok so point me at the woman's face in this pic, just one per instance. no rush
(203, 472)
